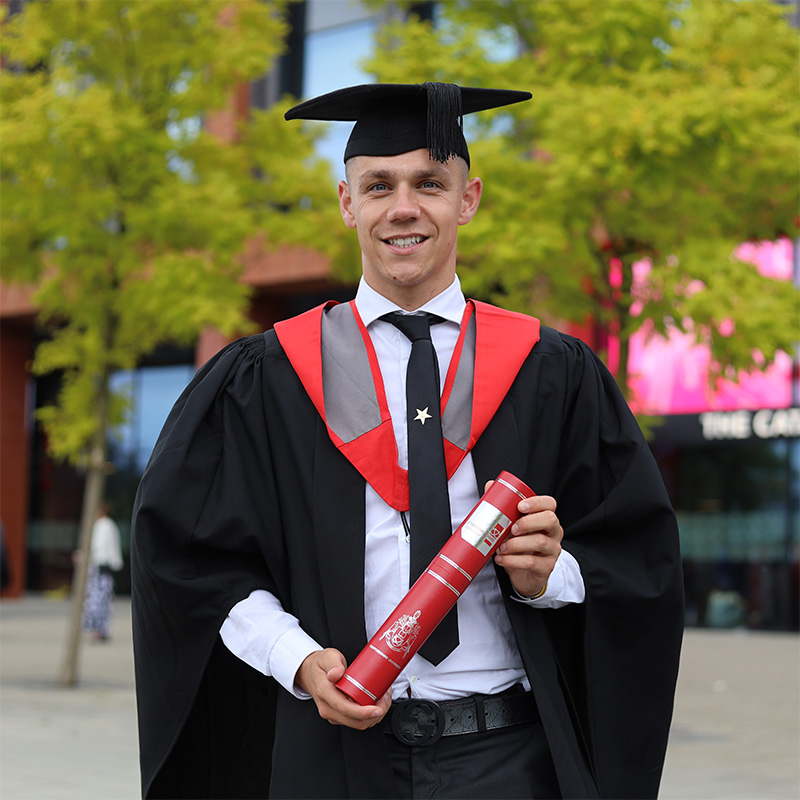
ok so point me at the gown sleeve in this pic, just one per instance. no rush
(205, 534)
(620, 526)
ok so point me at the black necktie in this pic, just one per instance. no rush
(427, 473)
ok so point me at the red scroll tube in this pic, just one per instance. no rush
(435, 592)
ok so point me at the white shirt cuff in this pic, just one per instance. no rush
(259, 632)
(564, 586)
(289, 652)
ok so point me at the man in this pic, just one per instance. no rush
(272, 533)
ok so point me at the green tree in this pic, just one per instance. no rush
(658, 130)
(124, 211)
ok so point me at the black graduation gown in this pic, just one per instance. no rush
(246, 490)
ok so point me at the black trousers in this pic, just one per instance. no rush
(512, 762)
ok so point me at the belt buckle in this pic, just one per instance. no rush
(417, 722)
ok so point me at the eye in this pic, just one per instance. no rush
(379, 187)
(430, 184)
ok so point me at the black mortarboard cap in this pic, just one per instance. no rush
(394, 118)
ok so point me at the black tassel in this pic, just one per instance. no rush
(445, 121)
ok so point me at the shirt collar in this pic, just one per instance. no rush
(448, 304)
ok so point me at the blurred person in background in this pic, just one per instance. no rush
(105, 559)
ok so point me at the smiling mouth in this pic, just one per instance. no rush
(405, 241)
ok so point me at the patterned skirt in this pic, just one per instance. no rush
(98, 604)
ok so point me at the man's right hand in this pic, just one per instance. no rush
(318, 675)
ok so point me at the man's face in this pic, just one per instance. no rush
(407, 210)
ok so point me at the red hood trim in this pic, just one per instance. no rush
(503, 341)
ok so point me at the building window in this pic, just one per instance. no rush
(151, 391)
(338, 37)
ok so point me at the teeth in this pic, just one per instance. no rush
(405, 241)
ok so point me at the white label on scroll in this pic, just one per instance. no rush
(484, 526)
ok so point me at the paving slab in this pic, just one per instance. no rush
(65, 744)
(736, 731)
(736, 727)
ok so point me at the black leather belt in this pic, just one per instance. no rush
(423, 722)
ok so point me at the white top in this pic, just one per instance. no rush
(106, 550)
(261, 633)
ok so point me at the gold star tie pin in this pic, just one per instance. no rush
(422, 415)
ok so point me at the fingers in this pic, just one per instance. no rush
(318, 676)
(538, 516)
(537, 533)
(530, 553)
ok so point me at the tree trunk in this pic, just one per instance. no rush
(92, 497)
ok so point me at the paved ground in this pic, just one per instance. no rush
(736, 734)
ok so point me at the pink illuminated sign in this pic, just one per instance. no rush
(670, 375)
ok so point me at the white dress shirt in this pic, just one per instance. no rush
(262, 634)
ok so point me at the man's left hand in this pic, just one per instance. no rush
(531, 550)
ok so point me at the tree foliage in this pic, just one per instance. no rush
(661, 131)
(127, 214)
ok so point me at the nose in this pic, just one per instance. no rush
(404, 205)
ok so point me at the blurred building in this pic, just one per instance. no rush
(730, 458)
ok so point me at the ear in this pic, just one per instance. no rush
(346, 205)
(470, 200)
